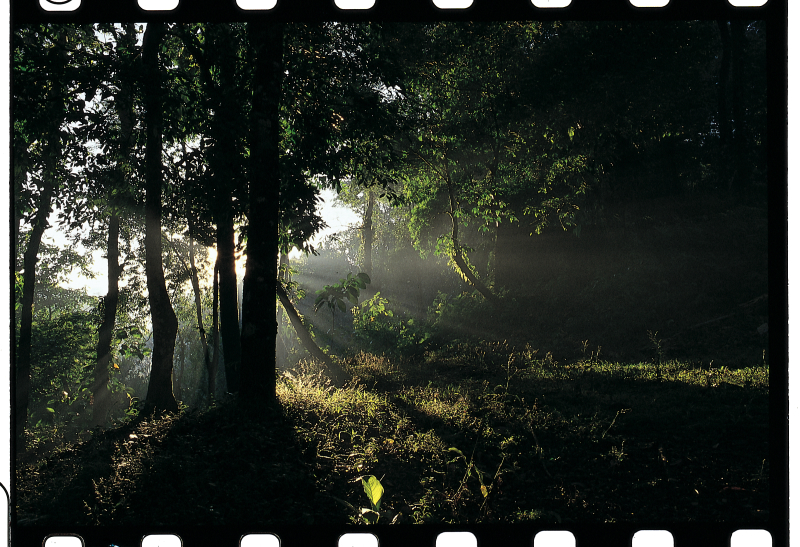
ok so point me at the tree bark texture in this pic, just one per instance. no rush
(259, 323)
(165, 324)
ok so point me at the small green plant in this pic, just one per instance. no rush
(374, 491)
(370, 311)
(621, 411)
(472, 469)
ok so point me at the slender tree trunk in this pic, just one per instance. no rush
(100, 394)
(224, 160)
(165, 324)
(228, 299)
(198, 301)
(213, 366)
(368, 233)
(23, 380)
(458, 256)
(259, 324)
(177, 381)
(101, 397)
(502, 254)
(336, 373)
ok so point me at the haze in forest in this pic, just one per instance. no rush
(555, 240)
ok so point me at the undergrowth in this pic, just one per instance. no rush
(462, 433)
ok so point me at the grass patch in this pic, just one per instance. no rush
(499, 435)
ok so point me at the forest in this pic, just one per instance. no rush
(552, 308)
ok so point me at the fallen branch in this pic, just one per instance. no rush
(336, 373)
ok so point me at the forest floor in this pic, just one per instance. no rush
(499, 435)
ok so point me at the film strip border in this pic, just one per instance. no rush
(709, 534)
(96, 11)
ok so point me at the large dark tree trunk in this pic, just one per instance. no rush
(23, 380)
(165, 324)
(259, 324)
(228, 299)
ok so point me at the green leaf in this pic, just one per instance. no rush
(50, 410)
(374, 490)
(364, 277)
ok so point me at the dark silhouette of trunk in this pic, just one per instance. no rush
(20, 176)
(368, 233)
(165, 324)
(198, 302)
(220, 57)
(458, 256)
(51, 153)
(213, 365)
(177, 377)
(259, 324)
(100, 393)
(503, 253)
(336, 373)
(228, 300)
(29, 259)
(101, 397)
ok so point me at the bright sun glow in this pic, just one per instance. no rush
(336, 217)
